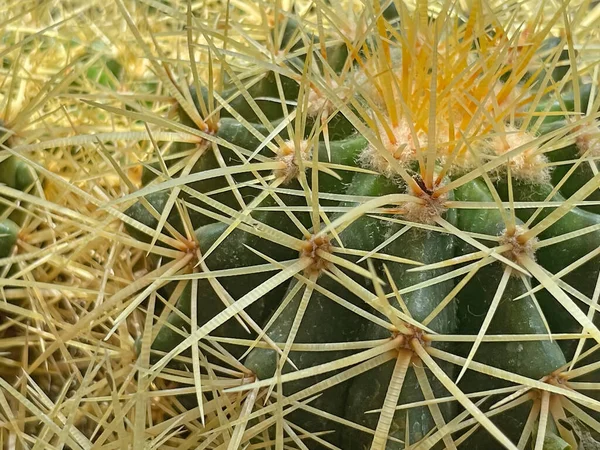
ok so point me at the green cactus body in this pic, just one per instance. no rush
(556, 257)
(362, 234)
(140, 213)
(575, 181)
(316, 326)
(231, 253)
(16, 174)
(565, 105)
(368, 391)
(341, 153)
(238, 134)
(265, 94)
(9, 233)
(570, 183)
(546, 52)
(8, 169)
(586, 140)
(534, 359)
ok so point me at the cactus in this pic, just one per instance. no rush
(367, 227)
(401, 246)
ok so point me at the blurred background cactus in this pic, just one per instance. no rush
(300, 224)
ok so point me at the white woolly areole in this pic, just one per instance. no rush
(426, 212)
(287, 154)
(589, 139)
(310, 249)
(518, 248)
(529, 165)
(403, 150)
(319, 103)
(430, 208)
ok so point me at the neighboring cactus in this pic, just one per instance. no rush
(387, 229)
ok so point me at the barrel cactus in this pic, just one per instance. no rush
(390, 226)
